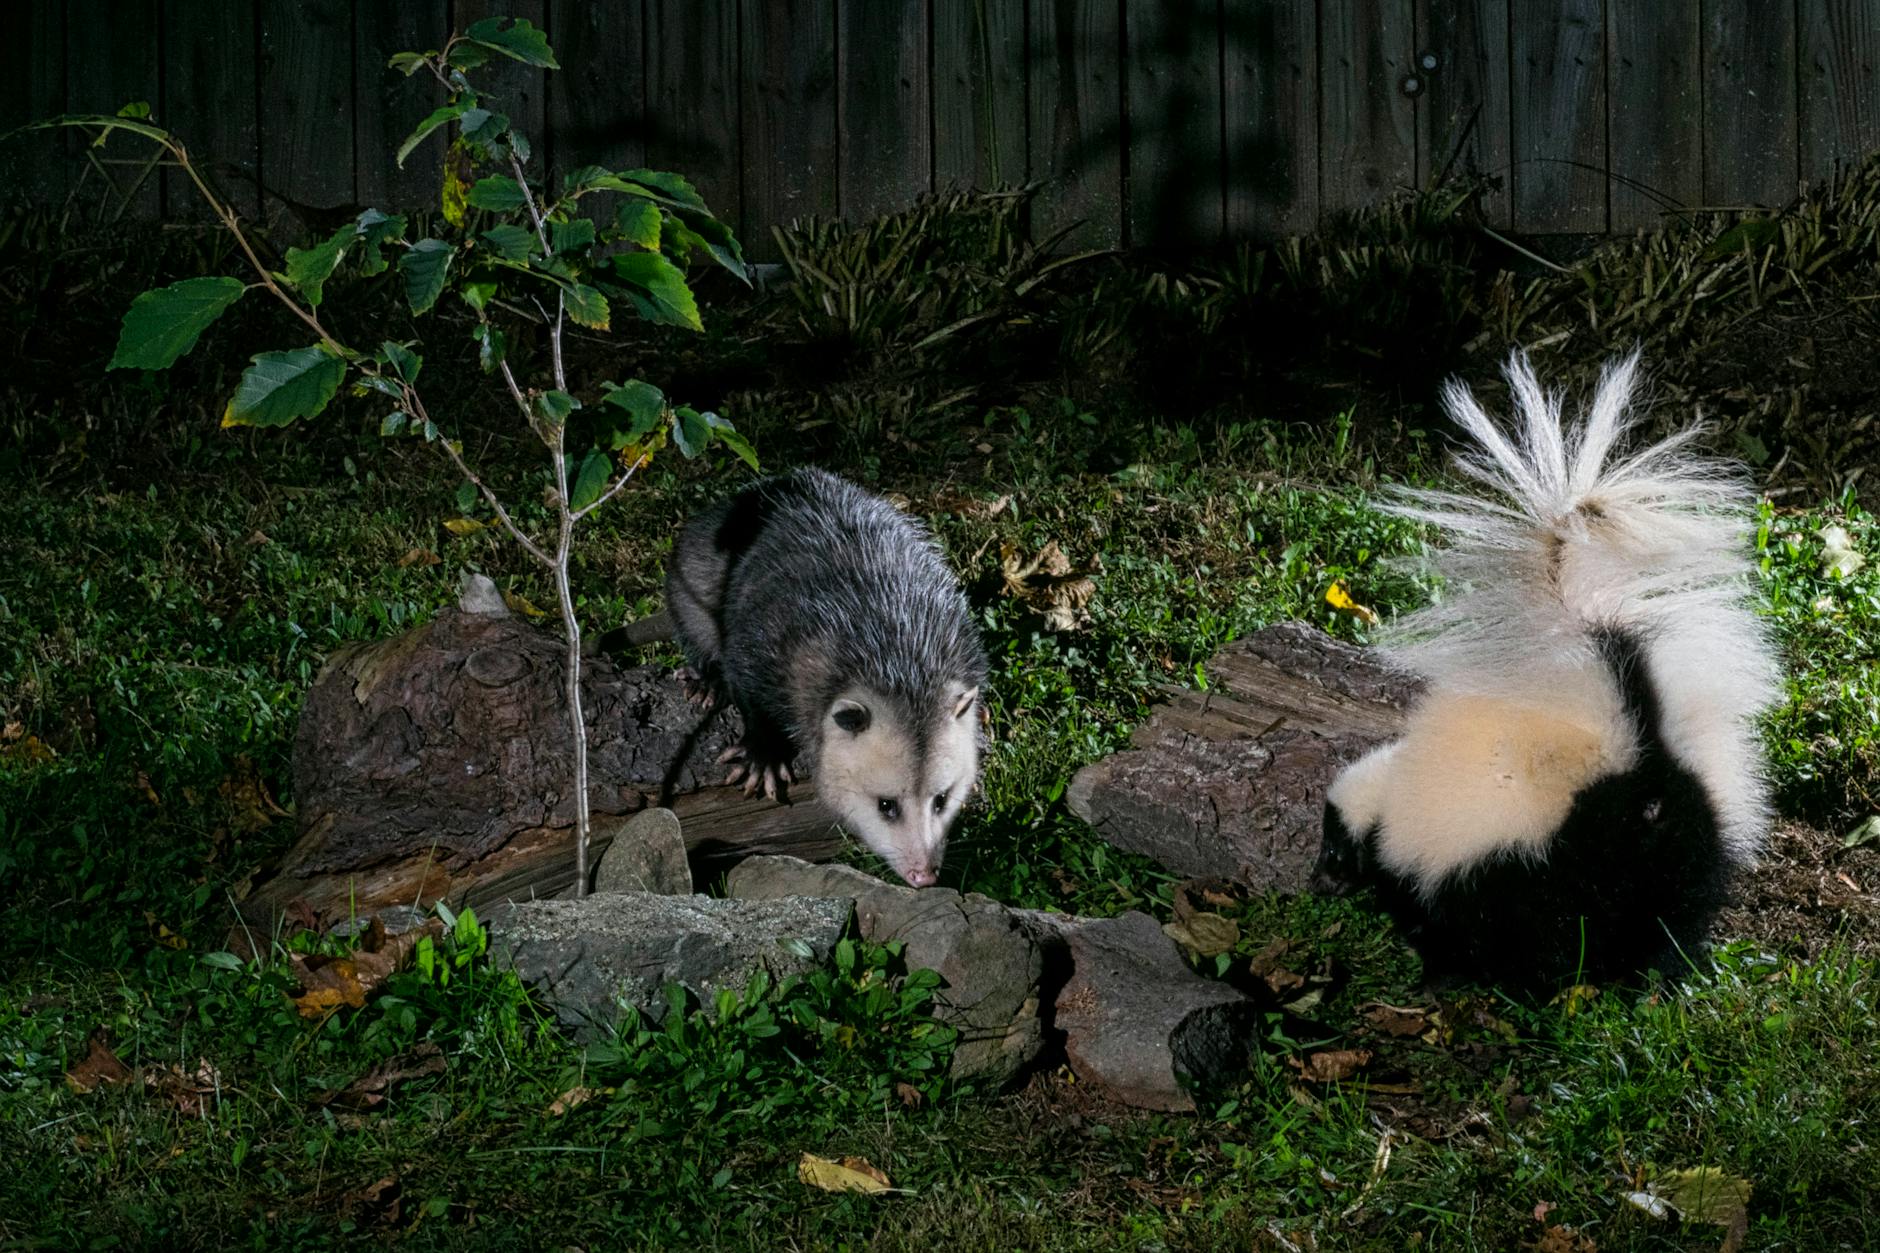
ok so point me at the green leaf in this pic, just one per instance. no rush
(135, 109)
(478, 294)
(717, 239)
(1751, 234)
(408, 62)
(394, 422)
(439, 117)
(671, 185)
(556, 406)
(283, 386)
(510, 241)
(522, 41)
(596, 469)
(642, 403)
(375, 230)
(466, 497)
(657, 289)
(571, 236)
(726, 434)
(498, 193)
(491, 346)
(164, 323)
(403, 360)
(690, 431)
(587, 307)
(467, 56)
(638, 223)
(309, 268)
(482, 126)
(426, 266)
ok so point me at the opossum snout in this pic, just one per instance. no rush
(921, 877)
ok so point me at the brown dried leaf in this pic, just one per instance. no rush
(1046, 583)
(368, 1091)
(1564, 1240)
(573, 1098)
(1206, 934)
(1194, 896)
(326, 985)
(910, 1095)
(188, 1093)
(16, 745)
(247, 797)
(1331, 1065)
(1266, 961)
(377, 1203)
(98, 1067)
(851, 1174)
(418, 557)
(1397, 1020)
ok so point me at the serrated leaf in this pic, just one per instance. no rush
(690, 431)
(673, 186)
(442, 116)
(1705, 1195)
(309, 268)
(571, 236)
(657, 289)
(737, 444)
(587, 307)
(164, 323)
(376, 230)
(483, 126)
(394, 422)
(492, 347)
(1206, 934)
(408, 63)
(638, 223)
(556, 406)
(642, 402)
(403, 360)
(281, 387)
(521, 41)
(590, 481)
(497, 193)
(426, 266)
(511, 242)
(468, 56)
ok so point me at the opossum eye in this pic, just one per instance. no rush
(890, 808)
(940, 803)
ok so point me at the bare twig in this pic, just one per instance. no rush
(611, 492)
(450, 449)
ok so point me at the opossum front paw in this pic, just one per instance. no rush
(757, 773)
(697, 688)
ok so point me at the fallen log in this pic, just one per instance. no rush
(436, 765)
(1231, 782)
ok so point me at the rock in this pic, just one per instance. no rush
(477, 593)
(991, 964)
(645, 853)
(593, 957)
(1138, 1024)
(1231, 782)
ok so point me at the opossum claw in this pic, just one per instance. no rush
(698, 690)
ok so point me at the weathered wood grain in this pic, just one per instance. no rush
(1654, 111)
(1076, 131)
(884, 135)
(1751, 156)
(388, 104)
(1558, 73)
(1174, 81)
(597, 100)
(692, 102)
(789, 116)
(1465, 120)
(307, 75)
(209, 101)
(1271, 85)
(102, 76)
(979, 72)
(1840, 83)
(1367, 131)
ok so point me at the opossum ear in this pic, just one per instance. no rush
(964, 704)
(851, 715)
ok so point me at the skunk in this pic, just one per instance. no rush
(1581, 776)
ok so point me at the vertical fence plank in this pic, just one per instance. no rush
(597, 100)
(692, 98)
(1840, 87)
(388, 104)
(789, 111)
(35, 167)
(306, 130)
(1367, 128)
(1176, 165)
(979, 70)
(1076, 130)
(1271, 89)
(884, 128)
(1654, 111)
(111, 61)
(1466, 127)
(209, 93)
(1559, 93)
(1750, 151)
(512, 88)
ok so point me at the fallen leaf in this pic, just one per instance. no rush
(1848, 880)
(463, 526)
(909, 1094)
(1206, 934)
(188, 1093)
(1705, 1195)
(1046, 583)
(326, 985)
(1542, 1209)
(1655, 1206)
(369, 1090)
(1564, 1240)
(16, 745)
(573, 1098)
(1865, 833)
(246, 794)
(851, 1174)
(99, 1066)
(1266, 961)
(163, 935)
(418, 557)
(1838, 554)
(1331, 1065)
(1195, 896)
(1338, 598)
(1396, 1020)
(377, 1202)
(521, 604)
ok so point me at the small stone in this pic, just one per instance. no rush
(647, 854)
(476, 593)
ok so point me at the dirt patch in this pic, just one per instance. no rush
(1808, 894)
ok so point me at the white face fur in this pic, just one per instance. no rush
(900, 807)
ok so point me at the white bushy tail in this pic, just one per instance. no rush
(1574, 533)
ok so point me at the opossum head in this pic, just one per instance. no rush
(897, 776)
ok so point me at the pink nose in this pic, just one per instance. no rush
(921, 877)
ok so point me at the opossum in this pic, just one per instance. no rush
(830, 620)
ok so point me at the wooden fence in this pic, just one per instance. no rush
(1153, 121)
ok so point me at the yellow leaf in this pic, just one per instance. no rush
(851, 1174)
(1705, 1195)
(463, 526)
(1338, 598)
(521, 604)
(571, 1099)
